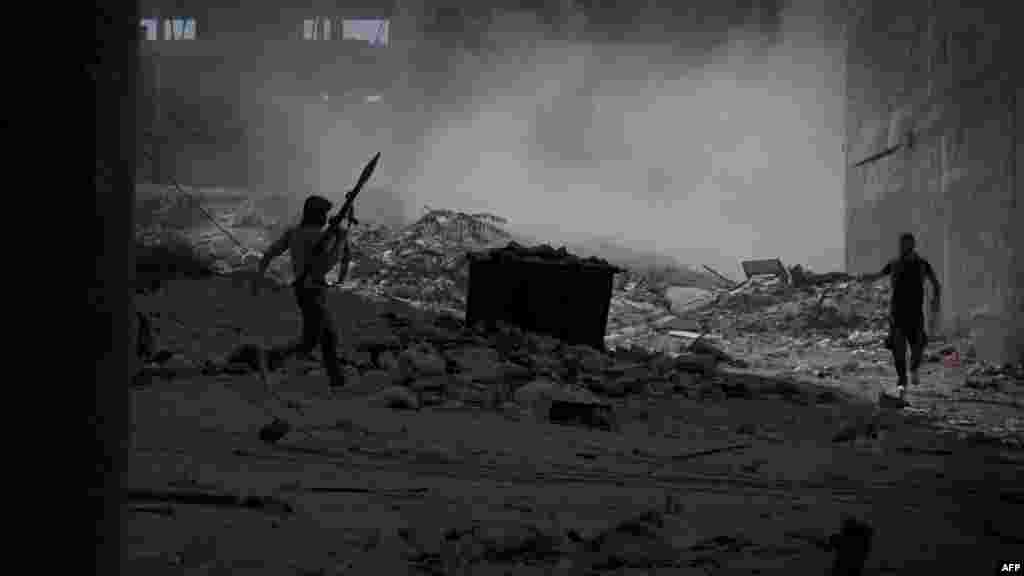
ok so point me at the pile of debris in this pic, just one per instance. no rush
(424, 263)
(775, 311)
(830, 306)
(415, 364)
(824, 309)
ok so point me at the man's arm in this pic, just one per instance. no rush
(340, 253)
(929, 273)
(276, 249)
(871, 277)
(344, 259)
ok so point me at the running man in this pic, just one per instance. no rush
(907, 274)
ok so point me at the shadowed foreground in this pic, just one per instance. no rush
(691, 482)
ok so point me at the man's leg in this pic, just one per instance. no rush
(328, 338)
(899, 353)
(310, 331)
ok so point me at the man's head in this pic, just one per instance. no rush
(315, 210)
(907, 244)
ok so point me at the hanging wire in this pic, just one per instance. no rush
(201, 209)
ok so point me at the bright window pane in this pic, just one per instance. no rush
(373, 31)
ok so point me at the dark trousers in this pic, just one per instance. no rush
(317, 328)
(906, 329)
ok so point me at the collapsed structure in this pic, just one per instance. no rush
(767, 320)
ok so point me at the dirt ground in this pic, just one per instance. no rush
(751, 485)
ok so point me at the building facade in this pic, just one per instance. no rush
(933, 147)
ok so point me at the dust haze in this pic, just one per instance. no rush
(737, 154)
(738, 158)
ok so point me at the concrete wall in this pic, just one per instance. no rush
(933, 82)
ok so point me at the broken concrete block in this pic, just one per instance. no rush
(686, 299)
(546, 365)
(421, 361)
(536, 395)
(704, 364)
(662, 365)
(483, 364)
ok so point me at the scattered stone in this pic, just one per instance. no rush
(685, 299)
(703, 364)
(773, 322)
(639, 542)
(422, 361)
(482, 364)
(536, 396)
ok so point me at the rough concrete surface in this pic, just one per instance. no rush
(690, 484)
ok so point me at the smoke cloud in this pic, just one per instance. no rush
(711, 154)
(740, 157)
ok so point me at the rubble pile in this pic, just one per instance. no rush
(827, 326)
(416, 364)
(843, 311)
(425, 262)
(829, 309)
(425, 265)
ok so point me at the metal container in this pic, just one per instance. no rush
(568, 300)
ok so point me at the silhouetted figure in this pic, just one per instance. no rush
(311, 295)
(907, 274)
